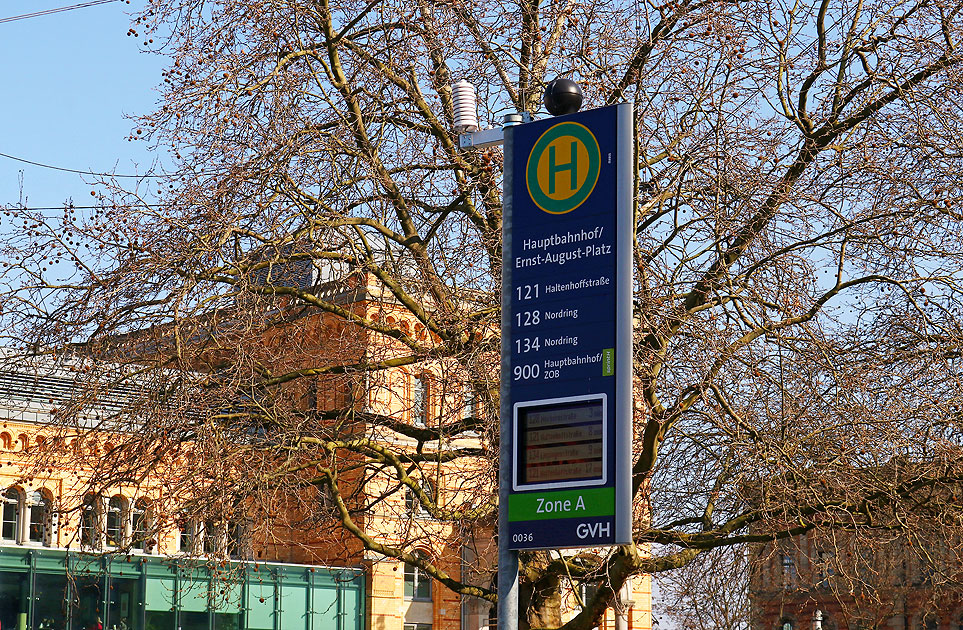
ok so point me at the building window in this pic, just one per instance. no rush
(417, 582)
(41, 518)
(187, 535)
(786, 624)
(115, 521)
(587, 592)
(825, 569)
(789, 574)
(328, 503)
(470, 403)
(10, 523)
(212, 537)
(419, 400)
(417, 626)
(414, 506)
(141, 526)
(89, 522)
(237, 541)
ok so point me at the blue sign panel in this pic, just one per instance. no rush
(568, 250)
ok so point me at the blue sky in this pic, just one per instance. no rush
(71, 79)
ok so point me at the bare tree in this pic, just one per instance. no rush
(711, 592)
(798, 260)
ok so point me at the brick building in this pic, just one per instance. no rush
(884, 583)
(269, 572)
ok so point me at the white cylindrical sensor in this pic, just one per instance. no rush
(466, 113)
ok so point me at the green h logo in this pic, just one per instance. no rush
(559, 187)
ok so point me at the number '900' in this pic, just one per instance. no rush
(527, 372)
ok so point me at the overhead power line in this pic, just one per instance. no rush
(73, 170)
(70, 205)
(83, 5)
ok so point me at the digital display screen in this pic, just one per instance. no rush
(561, 442)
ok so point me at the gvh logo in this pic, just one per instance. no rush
(563, 168)
(593, 530)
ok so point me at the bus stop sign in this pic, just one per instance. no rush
(569, 252)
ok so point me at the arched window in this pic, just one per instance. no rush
(10, 519)
(141, 526)
(6, 441)
(41, 518)
(24, 441)
(90, 522)
(786, 624)
(115, 521)
(417, 582)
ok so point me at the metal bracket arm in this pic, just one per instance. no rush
(481, 139)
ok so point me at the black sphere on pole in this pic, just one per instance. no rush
(562, 96)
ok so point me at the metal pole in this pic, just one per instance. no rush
(507, 559)
(623, 603)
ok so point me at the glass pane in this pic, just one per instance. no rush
(210, 537)
(88, 523)
(423, 590)
(138, 531)
(195, 621)
(159, 620)
(186, 541)
(115, 523)
(326, 608)
(419, 401)
(39, 517)
(417, 584)
(88, 603)
(260, 604)
(193, 596)
(409, 581)
(160, 593)
(50, 606)
(123, 605)
(227, 621)
(11, 513)
(13, 600)
(294, 604)
(235, 540)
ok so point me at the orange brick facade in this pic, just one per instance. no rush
(427, 394)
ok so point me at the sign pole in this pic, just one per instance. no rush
(507, 611)
(565, 403)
